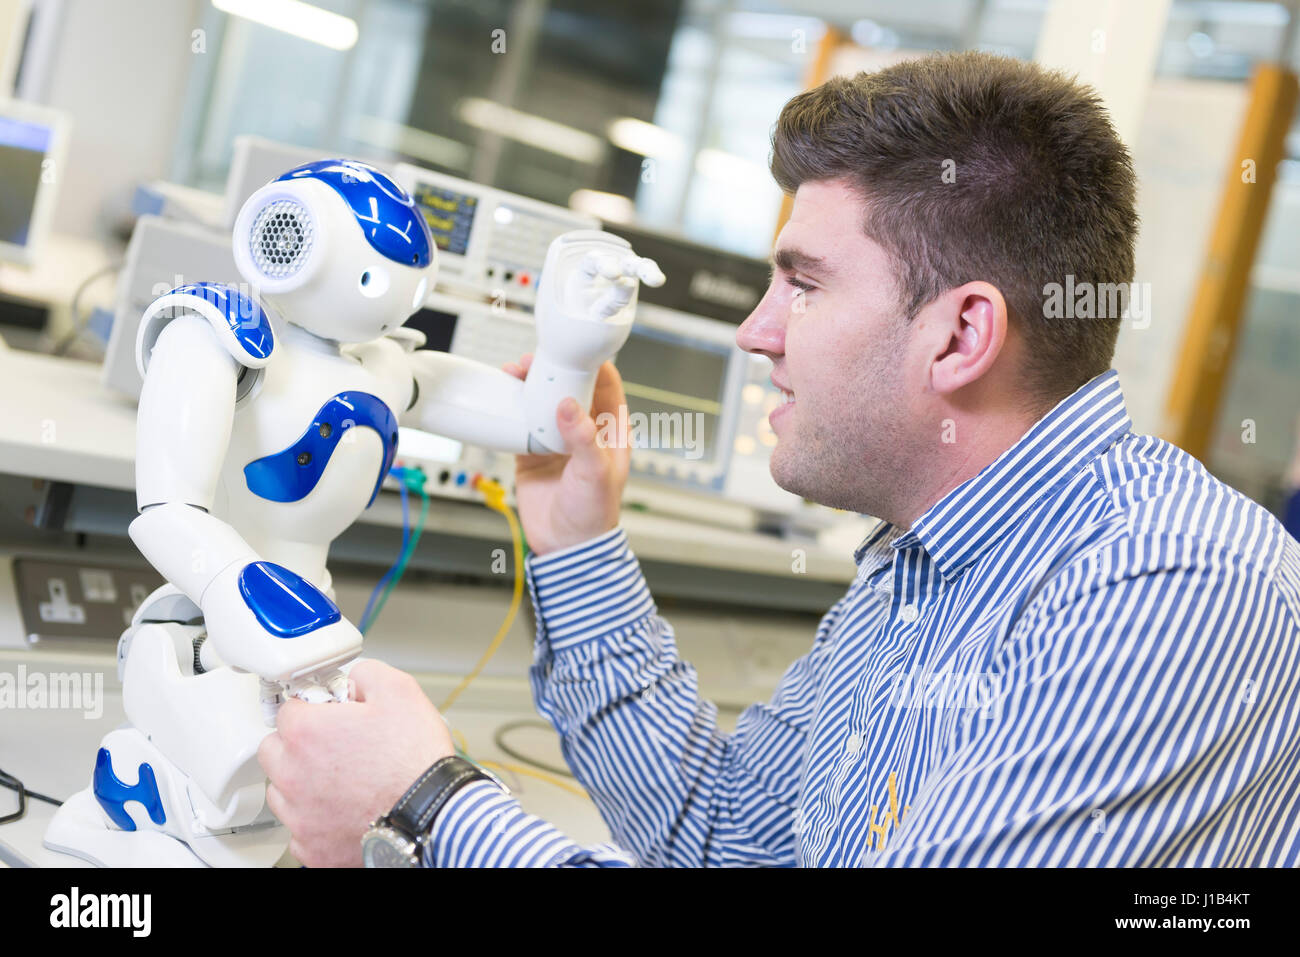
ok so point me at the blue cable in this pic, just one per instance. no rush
(406, 534)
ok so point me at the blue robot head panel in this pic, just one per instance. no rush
(384, 211)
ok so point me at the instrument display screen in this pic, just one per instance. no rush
(675, 391)
(450, 216)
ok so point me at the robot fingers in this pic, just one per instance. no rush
(605, 265)
(630, 266)
(646, 270)
(613, 299)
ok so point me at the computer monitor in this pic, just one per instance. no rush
(33, 142)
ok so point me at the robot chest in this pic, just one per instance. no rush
(353, 430)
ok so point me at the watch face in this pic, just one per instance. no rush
(384, 847)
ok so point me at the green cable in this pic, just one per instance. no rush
(400, 569)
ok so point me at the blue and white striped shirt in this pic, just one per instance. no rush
(1086, 655)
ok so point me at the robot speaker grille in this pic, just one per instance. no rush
(281, 239)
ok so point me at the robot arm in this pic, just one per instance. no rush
(585, 306)
(186, 411)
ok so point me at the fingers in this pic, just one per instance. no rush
(519, 369)
(373, 680)
(579, 433)
(270, 754)
(608, 394)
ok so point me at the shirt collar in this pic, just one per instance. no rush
(958, 528)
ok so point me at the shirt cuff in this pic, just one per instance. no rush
(588, 590)
(482, 826)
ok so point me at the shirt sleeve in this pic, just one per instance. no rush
(1128, 711)
(673, 789)
(482, 826)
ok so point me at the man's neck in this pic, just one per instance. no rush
(980, 440)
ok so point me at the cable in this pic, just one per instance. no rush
(499, 739)
(540, 775)
(379, 585)
(494, 496)
(78, 324)
(411, 478)
(16, 785)
(9, 781)
(36, 795)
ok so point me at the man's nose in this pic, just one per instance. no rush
(763, 332)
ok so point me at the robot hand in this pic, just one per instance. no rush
(585, 306)
(601, 300)
(263, 618)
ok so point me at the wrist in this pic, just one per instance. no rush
(592, 589)
(399, 838)
(560, 548)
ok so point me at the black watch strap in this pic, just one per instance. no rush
(416, 809)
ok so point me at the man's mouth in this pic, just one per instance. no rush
(787, 400)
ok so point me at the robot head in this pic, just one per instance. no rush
(338, 248)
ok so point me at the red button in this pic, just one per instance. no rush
(523, 279)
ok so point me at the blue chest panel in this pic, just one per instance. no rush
(289, 476)
(286, 604)
(112, 794)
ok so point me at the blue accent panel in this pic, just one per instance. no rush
(384, 211)
(112, 794)
(146, 202)
(286, 604)
(289, 476)
(245, 317)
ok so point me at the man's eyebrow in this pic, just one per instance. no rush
(791, 259)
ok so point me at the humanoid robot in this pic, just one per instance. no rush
(267, 422)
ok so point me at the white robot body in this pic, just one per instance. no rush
(286, 403)
(268, 419)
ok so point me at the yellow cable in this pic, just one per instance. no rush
(540, 775)
(494, 496)
(460, 739)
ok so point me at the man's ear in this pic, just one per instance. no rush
(969, 326)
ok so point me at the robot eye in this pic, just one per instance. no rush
(374, 282)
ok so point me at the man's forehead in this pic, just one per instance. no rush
(825, 227)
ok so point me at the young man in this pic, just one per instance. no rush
(1067, 645)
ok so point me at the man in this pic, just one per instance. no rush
(1066, 645)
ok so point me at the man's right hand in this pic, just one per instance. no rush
(568, 499)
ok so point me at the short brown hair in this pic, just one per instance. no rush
(1043, 189)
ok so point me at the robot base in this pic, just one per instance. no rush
(79, 828)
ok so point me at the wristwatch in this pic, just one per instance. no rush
(397, 839)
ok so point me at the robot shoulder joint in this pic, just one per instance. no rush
(240, 322)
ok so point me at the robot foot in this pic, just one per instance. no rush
(153, 822)
(80, 829)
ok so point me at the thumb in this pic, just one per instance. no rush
(373, 680)
(578, 430)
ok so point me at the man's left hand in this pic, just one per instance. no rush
(334, 768)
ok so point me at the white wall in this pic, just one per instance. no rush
(120, 68)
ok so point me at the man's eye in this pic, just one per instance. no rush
(801, 286)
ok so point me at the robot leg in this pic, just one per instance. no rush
(180, 785)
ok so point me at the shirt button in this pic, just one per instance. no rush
(854, 744)
(909, 613)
